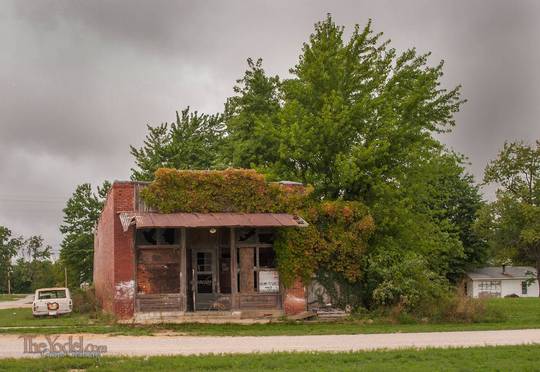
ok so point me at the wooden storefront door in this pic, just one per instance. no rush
(204, 283)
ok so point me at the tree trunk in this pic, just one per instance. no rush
(538, 275)
(538, 269)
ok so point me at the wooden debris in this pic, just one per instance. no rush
(303, 315)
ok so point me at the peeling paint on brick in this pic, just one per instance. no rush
(125, 290)
(295, 299)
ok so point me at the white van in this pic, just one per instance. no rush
(52, 301)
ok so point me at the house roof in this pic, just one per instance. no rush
(496, 272)
(150, 219)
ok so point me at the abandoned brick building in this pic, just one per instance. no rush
(147, 264)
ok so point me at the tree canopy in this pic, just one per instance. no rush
(81, 214)
(27, 262)
(357, 120)
(9, 247)
(360, 122)
(193, 141)
(512, 222)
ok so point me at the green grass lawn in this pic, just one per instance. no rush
(21, 320)
(500, 358)
(517, 313)
(11, 297)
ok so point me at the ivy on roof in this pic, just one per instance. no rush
(230, 190)
(336, 239)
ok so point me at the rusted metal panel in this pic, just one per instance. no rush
(158, 271)
(146, 220)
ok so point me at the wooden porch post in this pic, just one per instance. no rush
(183, 269)
(234, 283)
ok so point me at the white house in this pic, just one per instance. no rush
(502, 281)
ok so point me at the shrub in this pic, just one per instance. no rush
(85, 301)
(453, 308)
(405, 282)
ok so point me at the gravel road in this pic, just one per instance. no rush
(22, 302)
(13, 345)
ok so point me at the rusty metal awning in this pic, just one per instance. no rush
(149, 220)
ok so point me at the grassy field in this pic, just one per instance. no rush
(500, 358)
(514, 313)
(11, 297)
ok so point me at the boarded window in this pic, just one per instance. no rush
(246, 257)
(158, 271)
(225, 269)
(252, 261)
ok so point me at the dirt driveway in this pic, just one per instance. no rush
(21, 302)
(13, 345)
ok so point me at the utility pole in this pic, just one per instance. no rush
(65, 276)
(9, 281)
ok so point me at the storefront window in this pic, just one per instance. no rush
(158, 237)
(247, 236)
(267, 257)
(257, 271)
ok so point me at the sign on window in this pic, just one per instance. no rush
(268, 281)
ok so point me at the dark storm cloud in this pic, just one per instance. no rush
(79, 80)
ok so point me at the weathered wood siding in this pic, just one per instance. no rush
(158, 302)
(140, 205)
(257, 301)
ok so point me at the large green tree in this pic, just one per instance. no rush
(193, 141)
(251, 118)
(358, 121)
(81, 214)
(358, 100)
(33, 268)
(512, 222)
(9, 247)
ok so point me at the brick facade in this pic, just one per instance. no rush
(114, 259)
(114, 276)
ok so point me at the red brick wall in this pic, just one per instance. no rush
(124, 277)
(294, 301)
(103, 257)
(113, 254)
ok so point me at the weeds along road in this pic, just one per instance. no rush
(13, 345)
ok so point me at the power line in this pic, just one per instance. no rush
(32, 200)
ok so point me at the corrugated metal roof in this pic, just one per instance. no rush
(148, 219)
(495, 272)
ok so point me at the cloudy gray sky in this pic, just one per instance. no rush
(79, 80)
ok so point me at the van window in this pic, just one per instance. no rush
(47, 295)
